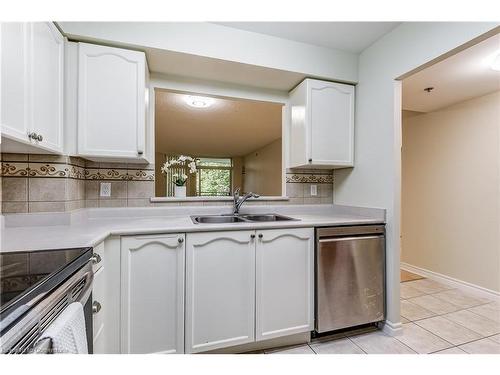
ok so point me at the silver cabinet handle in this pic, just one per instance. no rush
(252, 236)
(96, 258)
(180, 240)
(261, 235)
(96, 307)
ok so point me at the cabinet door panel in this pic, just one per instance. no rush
(152, 294)
(111, 101)
(284, 282)
(332, 120)
(47, 59)
(220, 290)
(14, 80)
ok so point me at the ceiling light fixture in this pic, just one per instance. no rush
(199, 101)
(495, 64)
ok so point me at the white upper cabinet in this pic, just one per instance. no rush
(111, 102)
(284, 282)
(32, 71)
(152, 294)
(47, 74)
(322, 125)
(14, 80)
(220, 290)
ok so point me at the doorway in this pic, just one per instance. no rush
(450, 197)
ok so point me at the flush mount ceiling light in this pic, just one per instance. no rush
(495, 64)
(199, 101)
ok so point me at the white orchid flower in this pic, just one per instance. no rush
(181, 160)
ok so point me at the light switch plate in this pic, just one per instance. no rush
(105, 189)
(314, 190)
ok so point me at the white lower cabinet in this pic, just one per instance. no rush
(220, 290)
(284, 282)
(152, 294)
(246, 286)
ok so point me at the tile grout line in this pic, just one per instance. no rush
(356, 345)
(310, 347)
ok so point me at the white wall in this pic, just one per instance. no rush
(450, 191)
(263, 170)
(376, 178)
(221, 42)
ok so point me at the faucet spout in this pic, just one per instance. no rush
(238, 200)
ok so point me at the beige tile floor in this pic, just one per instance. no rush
(436, 319)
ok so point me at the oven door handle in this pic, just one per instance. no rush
(87, 290)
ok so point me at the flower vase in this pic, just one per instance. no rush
(180, 191)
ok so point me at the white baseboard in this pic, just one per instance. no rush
(390, 328)
(455, 283)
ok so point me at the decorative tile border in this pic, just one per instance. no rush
(119, 174)
(309, 177)
(74, 168)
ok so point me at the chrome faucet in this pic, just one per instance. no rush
(238, 201)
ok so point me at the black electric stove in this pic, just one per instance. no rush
(27, 277)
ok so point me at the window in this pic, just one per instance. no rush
(214, 177)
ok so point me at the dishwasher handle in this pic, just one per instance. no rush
(338, 239)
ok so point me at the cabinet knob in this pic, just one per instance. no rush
(261, 235)
(180, 240)
(96, 307)
(39, 138)
(310, 160)
(252, 236)
(33, 136)
(140, 152)
(96, 258)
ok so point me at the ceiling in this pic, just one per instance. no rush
(347, 36)
(460, 77)
(229, 127)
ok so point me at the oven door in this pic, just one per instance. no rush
(23, 336)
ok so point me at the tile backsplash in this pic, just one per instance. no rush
(52, 183)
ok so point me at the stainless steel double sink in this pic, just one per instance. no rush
(248, 218)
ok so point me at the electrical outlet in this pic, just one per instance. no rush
(314, 190)
(105, 189)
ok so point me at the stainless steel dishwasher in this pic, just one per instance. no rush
(349, 277)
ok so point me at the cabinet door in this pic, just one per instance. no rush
(284, 282)
(152, 288)
(111, 102)
(331, 119)
(14, 90)
(46, 77)
(220, 290)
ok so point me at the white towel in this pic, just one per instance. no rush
(67, 332)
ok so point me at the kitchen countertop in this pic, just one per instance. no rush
(89, 227)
